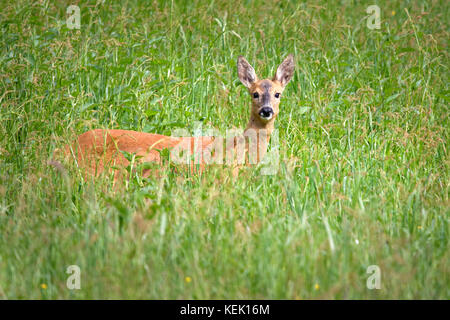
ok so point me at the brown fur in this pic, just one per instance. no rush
(99, 150)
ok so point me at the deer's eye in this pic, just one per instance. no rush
(277, 95)
(256, 95)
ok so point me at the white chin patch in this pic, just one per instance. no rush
(266, 118)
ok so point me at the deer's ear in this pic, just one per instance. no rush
(246, 72)
(285, 71)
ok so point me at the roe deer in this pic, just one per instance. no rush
(99, 149)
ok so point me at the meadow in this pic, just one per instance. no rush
(363, 177)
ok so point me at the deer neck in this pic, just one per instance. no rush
(263, 130)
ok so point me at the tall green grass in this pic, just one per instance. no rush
(363, 177)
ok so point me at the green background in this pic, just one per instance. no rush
(363, 126)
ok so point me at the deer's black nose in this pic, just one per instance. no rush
(266, 112)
